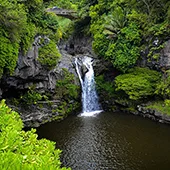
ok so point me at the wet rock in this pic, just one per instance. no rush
(67, 62)
(34, 116)
(78, 45)
(153, 114)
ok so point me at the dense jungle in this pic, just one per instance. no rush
(129, 42)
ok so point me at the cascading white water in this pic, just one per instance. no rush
(89, 96)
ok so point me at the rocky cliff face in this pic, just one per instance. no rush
(30, 72)
(159, 59)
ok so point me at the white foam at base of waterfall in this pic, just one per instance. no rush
(90, 114)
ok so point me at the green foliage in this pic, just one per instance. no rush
(22, 150)
(49, 55)
(121, 29)
(154, 52)
(35, 11)
(48, 24)
(29, 32)
(115, 38)
(20, 22)
(64, 27)
(163, 88)
(12, 22)
(167, 102)
(12, 19)
(125, 51)
(31, 97)
(159, 30)
(68, 93)
(161, 106)
(8, 55)
(138, 83)
(66, 87)
(114, 22)
(100, 43)
(104, 87)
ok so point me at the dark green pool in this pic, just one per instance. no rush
(110, 141)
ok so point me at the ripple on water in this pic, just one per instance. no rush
(110, 141)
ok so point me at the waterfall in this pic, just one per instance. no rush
(89, 95)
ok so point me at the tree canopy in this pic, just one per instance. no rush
(122, 29)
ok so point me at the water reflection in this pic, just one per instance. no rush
(110, 141)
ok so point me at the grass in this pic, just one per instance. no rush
(160, 106)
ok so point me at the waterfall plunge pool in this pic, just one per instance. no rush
(110, 141)
(107, 141)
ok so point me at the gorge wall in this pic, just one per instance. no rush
(30, 72)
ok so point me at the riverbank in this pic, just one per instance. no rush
(42, 112)
(153, 114)
(156, 111)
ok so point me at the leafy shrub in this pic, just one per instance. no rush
(29, 32)
(68, 92)
(22, 150)
(167, 102)
(8, 55)
(31, 97)
(66, 87)
(13, 19)
(49, 55)
(163, 88)
(100, 44)
(115, 39)
(161, 106)
(104, 87)
(138, 83)
(125, 51)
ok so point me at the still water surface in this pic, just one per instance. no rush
(110, 141)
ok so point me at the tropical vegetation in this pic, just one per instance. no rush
(22, 150)
(123, 33)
